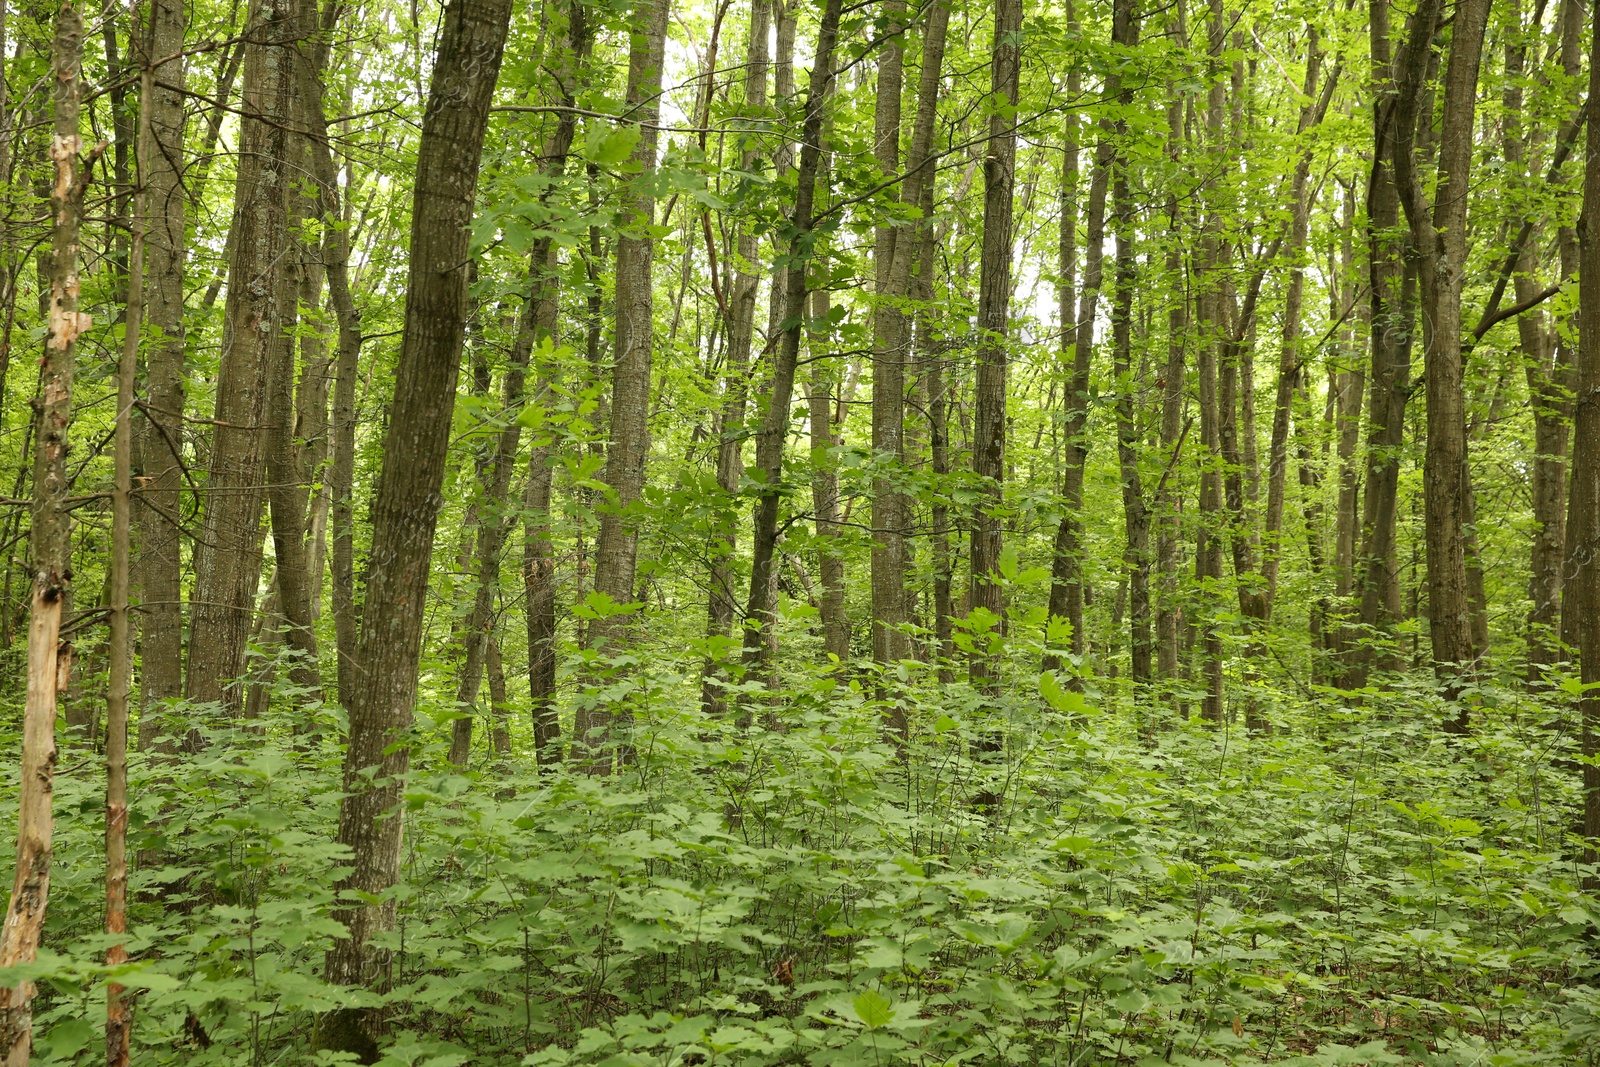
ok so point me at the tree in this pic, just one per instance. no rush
(406, 506)
(50, 551)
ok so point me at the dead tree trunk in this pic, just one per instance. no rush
(49, 659)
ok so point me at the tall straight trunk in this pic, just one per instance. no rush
(405, 509)
(759, 609)
(50, 550)
(539, 321)
(890, 508)
(536, 328)
(1580, 612)
(617, 547)
(1291, 374)
(1440, 240)
(825, 487)
(119, 681)
(161, 431)
(1547, 360)
(346, 369)
(994, 307)
(287, 493)
(228, 557)
(1212, 327)
(1391, 292)
(1077, 357)
(1351, 387)
(722, 603)
(1168, 501)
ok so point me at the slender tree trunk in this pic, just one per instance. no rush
(1291, 372)
(1351, 380)
(49, 659)
(161, 430)
(825, 487)
(1440, 240)
(1168, 500)
(617, 548)
(1580, 614)
(1077, 344)
(1548, 368)
(119, 681)
(994, 304)
(890, 509)
(406, 506)
(722, 605)
(1392, 297)
(228, 563)
(537, 328)
(775, 424)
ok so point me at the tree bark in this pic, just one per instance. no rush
(617, 547)
(722, 604)
(890, 509)
(759, 610)
(406, 505)
(1440, 240)
(1580, 614)
(1391, 293)
(228, 558)
(49, 659)
(994, 303)
(161, 429)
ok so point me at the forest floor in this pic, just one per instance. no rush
(1356, 887)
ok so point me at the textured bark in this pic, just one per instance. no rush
(890, 508)
(1580, 615)
(825, 488)
(50, 561)
(1077, 314)
(1291, 374)
(617, 547)
(1547, 362)
(406, 505)
(1350, 382)
(341, 465)
(759, 610)
(161, 429)
(1168, 501)
(1212, 325)
(1440, 239)
(537, 327)
(1392, 296)
(228, 557)
(992, 342)
(722, 604)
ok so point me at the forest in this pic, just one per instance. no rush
(657, 533)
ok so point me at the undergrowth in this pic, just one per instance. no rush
(1355, 887)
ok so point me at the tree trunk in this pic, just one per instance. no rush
(1580, 613)
(722, 604)
(617, 548)
(1168, 501)
(536, 328)
(1440, 240)
(406, 505)
(228, 558)
(994, 304)
(1547, 361)
(825, 488)
(890, 509)
(161, 431)
(775, 423)
(1392, 295)
(1077, 339)
(49, 659)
